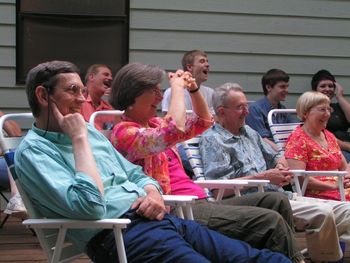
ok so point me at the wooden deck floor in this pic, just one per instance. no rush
(18, 244)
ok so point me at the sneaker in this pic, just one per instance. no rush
(16, 207)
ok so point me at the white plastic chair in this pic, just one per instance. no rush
(280, 133)
(181, 203)
(51, 233)
(191, 148)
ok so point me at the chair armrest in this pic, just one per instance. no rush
(260, 183)
(62, 225)
(221, 185)
(182, 204)
(181, 200)
(76, 224)
(307, 174)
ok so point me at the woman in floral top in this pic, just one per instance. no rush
(142, 137)
(312, 147)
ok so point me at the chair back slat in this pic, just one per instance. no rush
(96, 114)
(281, 131)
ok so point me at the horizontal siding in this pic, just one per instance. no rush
(12, 97)
(15, 99)
(7, 12)
(240, 43)
(239, 23)
(8, 56)
(308, 8)
(238, 64)
(244, 39)
(7, 35)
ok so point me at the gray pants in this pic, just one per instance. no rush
(264, 220)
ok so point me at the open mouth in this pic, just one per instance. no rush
(327, 93)
(107, 82)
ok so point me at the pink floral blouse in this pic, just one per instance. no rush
(145, 146)
(302, 147)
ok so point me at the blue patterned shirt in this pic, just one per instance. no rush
(227, 156)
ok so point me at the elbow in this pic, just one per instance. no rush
(92, 212)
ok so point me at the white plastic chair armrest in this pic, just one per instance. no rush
(307, 174)
(221, 185)
(76, 224)
(64, 224)
(103, 112)
(260, 183)
(182, 204)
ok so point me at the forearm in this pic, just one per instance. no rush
(344, 145)
(345, 105)
(177, 108)
(200, 106)
(272, 144)
(85, 161)
(12, 128)
(315, 184)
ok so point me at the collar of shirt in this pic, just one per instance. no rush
(226, 134)
(266, 103)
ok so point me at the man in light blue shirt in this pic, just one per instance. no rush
(69, 170)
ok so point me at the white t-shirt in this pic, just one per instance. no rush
(206, 92)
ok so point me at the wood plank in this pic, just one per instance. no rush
(239, 23)
(7, 13)
(18, 244)
(300, 8)
(250, 44)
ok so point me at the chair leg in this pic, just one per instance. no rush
(4, 221)
(3, 196)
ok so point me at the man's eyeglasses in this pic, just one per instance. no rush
(238, 108)
(74, 89)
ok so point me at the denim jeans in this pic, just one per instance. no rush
(176, 240)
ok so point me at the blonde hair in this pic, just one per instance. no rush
(309, 100)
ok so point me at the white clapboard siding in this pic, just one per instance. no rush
(242, 38)
(246, 38)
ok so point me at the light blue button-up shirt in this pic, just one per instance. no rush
(227, 156)
(45, 167)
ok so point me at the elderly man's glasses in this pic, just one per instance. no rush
(240, 108)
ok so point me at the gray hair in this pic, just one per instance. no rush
(131, 81)
(221, 94)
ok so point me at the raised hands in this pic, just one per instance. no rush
(339, 90)
(183, 79)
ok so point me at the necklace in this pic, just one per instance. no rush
(319, 139)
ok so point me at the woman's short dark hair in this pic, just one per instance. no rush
(131, 81)
(46, 75)
(319, 76)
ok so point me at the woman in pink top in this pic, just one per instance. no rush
(150, 142)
